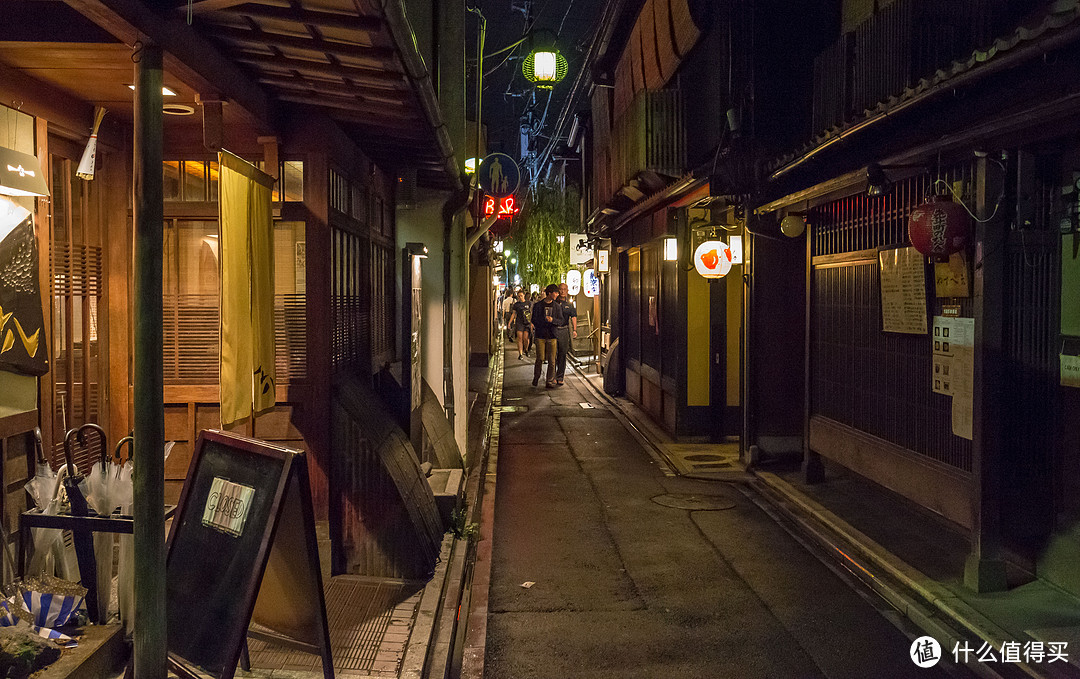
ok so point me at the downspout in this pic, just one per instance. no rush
(458, 201)
(420, 78)
(402, 34)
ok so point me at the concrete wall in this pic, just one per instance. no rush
(424, 224)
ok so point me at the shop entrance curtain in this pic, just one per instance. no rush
(247, 290)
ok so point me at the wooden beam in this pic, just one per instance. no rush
(43, 100)
(203, 6)
(355, 106)
(321, 45)
(390, 97)
(369, 77)
(352, 22)
(188, 55)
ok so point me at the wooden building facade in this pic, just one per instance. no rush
(333, 102)
(844, 118)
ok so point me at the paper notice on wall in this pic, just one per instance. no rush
(951, 277)
(903, 291)
(942, 378)
(953, 355)
(949, 334)
(1070, 370)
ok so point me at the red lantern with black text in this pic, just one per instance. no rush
(939, 227)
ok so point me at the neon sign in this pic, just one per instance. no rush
(505, 207)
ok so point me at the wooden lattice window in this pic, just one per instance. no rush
(191, 301)
(351, 312)
(78, 371)
(382, 308)
(875, 381)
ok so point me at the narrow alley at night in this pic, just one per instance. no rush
(639, 338)
(606, 563)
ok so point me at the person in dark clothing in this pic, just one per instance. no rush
(519, 323)
(545, 314)
(565, 330)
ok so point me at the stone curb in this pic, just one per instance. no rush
(937, 603)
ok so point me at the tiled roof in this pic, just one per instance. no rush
(1059, 16)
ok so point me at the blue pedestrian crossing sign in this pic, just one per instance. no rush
(499, 175)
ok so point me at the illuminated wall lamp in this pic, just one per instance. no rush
(671, 250)
(735, 243)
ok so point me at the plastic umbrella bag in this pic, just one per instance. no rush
(99, 491)
(42, 489)
(125, 579)
(51, 554)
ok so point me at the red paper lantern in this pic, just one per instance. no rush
(939, 227)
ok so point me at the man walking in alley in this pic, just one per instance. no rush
(565, 330)
(546, 314)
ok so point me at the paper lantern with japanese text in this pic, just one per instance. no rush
(573, 282)
(712, 259)
(591, 283)
(939, 227)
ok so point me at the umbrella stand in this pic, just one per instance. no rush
(83, 536)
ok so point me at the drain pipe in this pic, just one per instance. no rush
(419, 77)
(453, 207)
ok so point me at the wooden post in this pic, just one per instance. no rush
(813, 468)
(984, 570)
(149, 480)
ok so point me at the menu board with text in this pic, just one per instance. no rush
(903, 291)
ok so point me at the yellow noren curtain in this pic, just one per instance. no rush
(247, 290)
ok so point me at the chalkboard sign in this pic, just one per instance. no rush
(244, 533)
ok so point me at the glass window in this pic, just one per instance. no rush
(171, 180)
(195, 181)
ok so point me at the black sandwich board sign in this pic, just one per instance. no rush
(242, 550)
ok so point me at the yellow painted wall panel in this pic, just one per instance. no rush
(697, 340)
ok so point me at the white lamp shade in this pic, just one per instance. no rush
(544, 66)
(735, 243)
(573, 282)
(591, 284)
(671, 250)
(712, 259)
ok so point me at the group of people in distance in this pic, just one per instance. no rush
(550, 322)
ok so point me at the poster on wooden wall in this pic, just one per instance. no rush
(953, 362)
(903, 290)
(951, 277)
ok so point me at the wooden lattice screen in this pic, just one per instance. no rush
(350, 298)
(191, 304)
(874, 381)
(77, 370)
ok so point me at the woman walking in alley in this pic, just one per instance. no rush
(519, 323)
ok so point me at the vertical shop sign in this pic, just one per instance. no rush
(247, 290)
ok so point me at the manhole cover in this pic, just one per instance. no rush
(703, 458)
(511, 409)
(694, 502)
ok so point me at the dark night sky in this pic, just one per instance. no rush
(507, 94)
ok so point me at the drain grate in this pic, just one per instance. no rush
(703, 458)
(694, 502)
(510, 409)
(369, 625)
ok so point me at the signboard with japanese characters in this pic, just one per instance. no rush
(903, 291)
(242, 550)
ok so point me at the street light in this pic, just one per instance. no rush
(544, 66)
